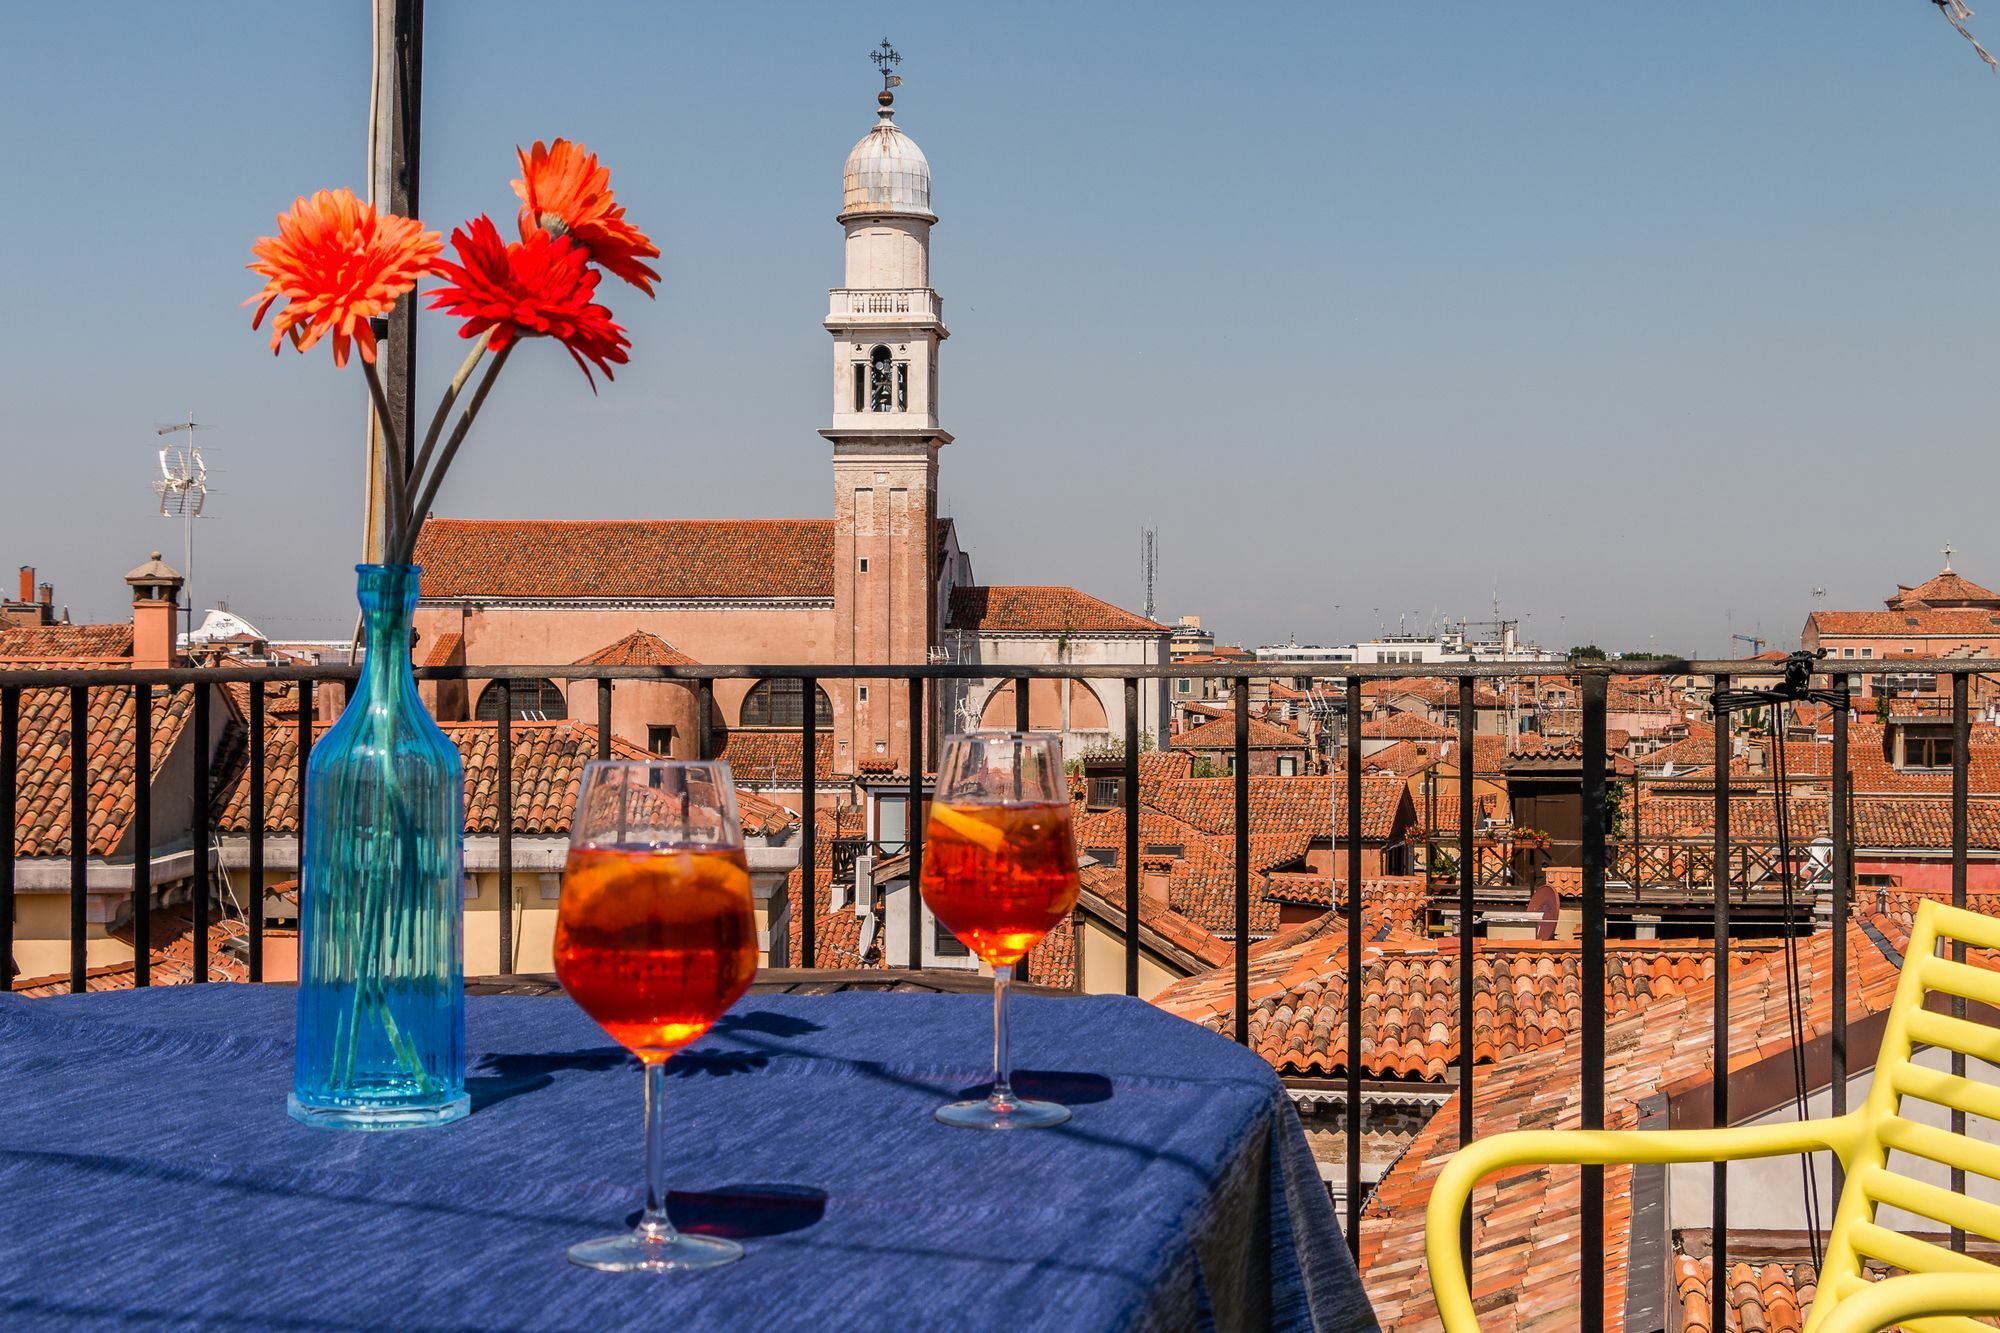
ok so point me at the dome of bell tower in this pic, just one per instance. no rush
(886, 173)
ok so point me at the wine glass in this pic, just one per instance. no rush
(655, 937)
(1000, 871)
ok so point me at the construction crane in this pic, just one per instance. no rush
(1756, 644)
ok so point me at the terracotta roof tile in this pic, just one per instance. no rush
(42, 782)
(1407, 727)
(1041, 608)
(1955, 623)
(1526, 1222)
(1943, 589)
(773, 757)
(1220, 735)
(1527, 995)
(637, 649)
(647, 558)
(447, 650)
(66, 641)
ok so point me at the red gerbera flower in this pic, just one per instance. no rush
(565, 193)
(338, 263)
(540, 287)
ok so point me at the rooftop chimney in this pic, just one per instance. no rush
(29, 609)
(27, 583)
(156, 591)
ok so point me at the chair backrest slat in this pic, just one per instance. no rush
(1857, 1237)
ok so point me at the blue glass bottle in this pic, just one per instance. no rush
(381, 1024)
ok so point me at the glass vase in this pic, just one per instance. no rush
(381, 1022)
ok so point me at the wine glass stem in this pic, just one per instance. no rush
(1003, 1059)
(653, 1223)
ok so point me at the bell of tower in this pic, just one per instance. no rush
(887, 326)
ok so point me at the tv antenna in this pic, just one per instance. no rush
(183, 491)
(1149, 565)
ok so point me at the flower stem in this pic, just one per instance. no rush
(414, 518)
(444, 406)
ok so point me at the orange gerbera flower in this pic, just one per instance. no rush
(338, 264)
(565, 193)
(539, 287)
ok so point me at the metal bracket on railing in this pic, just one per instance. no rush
(1795, 688)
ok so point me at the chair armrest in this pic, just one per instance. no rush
(1916, 1297)
(1589, 1147)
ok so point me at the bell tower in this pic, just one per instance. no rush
(887, 326)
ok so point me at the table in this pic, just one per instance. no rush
(149, 1175)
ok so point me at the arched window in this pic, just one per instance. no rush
(781, 703)
(881, 381)
(534, 701)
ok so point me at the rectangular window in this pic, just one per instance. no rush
(1288, 767)
(864, 564)
(1847, 652)
(861, 691)
(1177, 850)
(1868, 652)
(860, 387)
(1104, 856)
(1926, 749)
(902, 386)
(1104, 793)
(660, 741)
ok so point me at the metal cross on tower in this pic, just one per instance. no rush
(886, 58)
(1949, 552)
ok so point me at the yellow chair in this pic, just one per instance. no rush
(1939, 1288)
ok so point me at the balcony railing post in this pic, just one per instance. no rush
(1352, 736)
(1130, 796)
(10, 749)
(1843, 889)
(808, 824)
(79, 836)
(1242, 771)
(1467, 982)
(1719, 1203)
(604, 717)
(253, 894)
(503, 803)
(199, 799)
(1595, 683)
(704, 719)
(1961, 745)
(1022, 717)
(142, 834)
(914, 825)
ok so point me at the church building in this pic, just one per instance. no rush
(882, 581)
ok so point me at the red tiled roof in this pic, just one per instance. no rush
(1903, 823)
(449, 649)
(637, 649)
(773, 757)
(42, 781)
(1396, 903)
(1408, 727)
(548, 763)
(1108, 886)
(1041, 608)
(1956, 623)
(1220, 734)
(1525, 1222)
(1526, 995)
(60, 641)
(643, 558)
(1280, 804)
(1772, 1298)
(172, 960)
(1942, 589)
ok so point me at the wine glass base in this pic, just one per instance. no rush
(639, 1252)
(1015, 1113)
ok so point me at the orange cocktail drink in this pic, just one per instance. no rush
(1000, 877)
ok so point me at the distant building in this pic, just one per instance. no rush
(1948, 615)
(1191, 640)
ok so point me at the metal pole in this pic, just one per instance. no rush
(1131, 783)
(1466, 981)
(1242, 765)
(1351, 734)
(1961, 741)
(1719, 1202)
(1594, 795)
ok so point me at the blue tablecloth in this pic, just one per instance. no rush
(150, 1177)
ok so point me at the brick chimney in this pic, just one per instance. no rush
(156, 590)
(29, 609)
(1154, 876)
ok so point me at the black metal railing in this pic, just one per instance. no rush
(1593, 680)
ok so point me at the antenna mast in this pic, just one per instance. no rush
(183, 491)
(1149, 566)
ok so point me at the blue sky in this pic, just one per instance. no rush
(1651, 317)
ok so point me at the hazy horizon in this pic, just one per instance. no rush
(1650, 319)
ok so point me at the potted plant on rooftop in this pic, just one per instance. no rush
(381, 1015)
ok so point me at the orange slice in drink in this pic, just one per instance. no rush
(989, 838)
